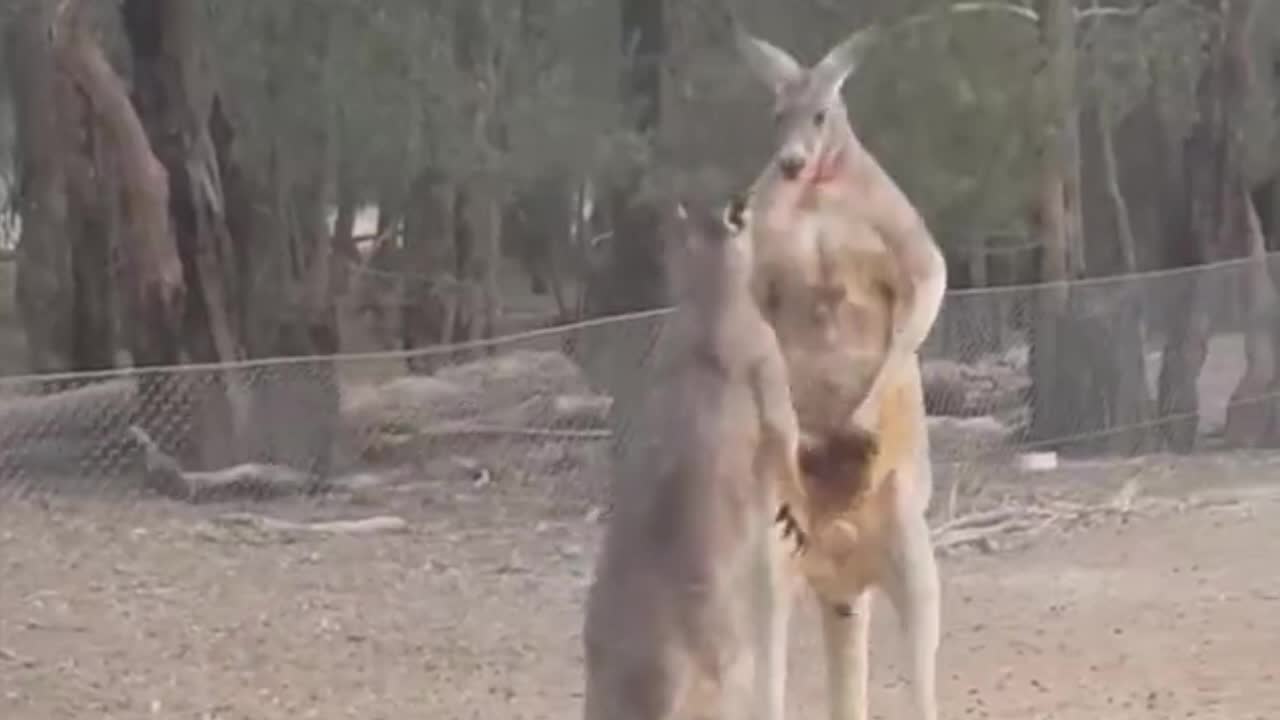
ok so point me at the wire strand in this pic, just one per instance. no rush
(445, 349)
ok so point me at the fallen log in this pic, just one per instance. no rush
(163, 474)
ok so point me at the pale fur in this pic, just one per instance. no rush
(852, 281)
(680, 623)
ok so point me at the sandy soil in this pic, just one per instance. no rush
(146, 608)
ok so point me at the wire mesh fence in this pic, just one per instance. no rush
(550, 405)
(431, 535)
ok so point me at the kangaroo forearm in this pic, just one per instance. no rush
(916, 307)
(779, 426)
(917, 303)
(917, 310)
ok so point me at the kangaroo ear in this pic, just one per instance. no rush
(768, 62)
(734, 215)
(843, 59)
(678, 219)
(683, 232)
(682, 214)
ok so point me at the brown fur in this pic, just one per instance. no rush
(851, 281)
(835, 477)
(863, 498)
(830, 303)
(677, 617)
(866, 491)
(835, 469)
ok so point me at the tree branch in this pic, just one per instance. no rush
(1021, 12)
(968, 8)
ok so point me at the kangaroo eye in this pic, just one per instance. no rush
(819, 118)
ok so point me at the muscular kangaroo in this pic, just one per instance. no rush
(851, 280)
(680, 623)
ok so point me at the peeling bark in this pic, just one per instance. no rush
(156, 289)
(174, 95)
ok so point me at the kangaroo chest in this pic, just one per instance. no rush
(826, 284)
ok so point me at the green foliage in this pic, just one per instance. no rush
(949, 101)
(1158, 50)
(387, 76)
(1262, 126)
(949, 110)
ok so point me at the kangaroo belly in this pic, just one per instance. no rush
(826, 385)
(834, 332)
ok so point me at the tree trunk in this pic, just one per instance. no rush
(629, 277)
(298, 404)
(95, 237)
(1266, 201)
(1109, 168)
(535, 222)
(155, 292)
(1067, 387)
(536, 231)
(461, 321)
(1253, 415)
(478, 252)
(632, 277)
(491, 269)
(344, 226)
(429, 267)
(44, 289)
(254, 229)
(343, 238)
(67, 201)
(1187, 322)
(174, 96)
(1215, 188)
(282, 254)
(1129, 395)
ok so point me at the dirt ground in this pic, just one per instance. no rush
(113, 608)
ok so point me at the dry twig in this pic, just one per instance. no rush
(474, 429)
(982, 528)
(376, 525)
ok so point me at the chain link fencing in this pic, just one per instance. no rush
(546, 408)
(346, 537)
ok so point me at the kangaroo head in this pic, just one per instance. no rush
(810, 119)
(708, 249)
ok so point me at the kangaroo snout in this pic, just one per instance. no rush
(790, 165)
